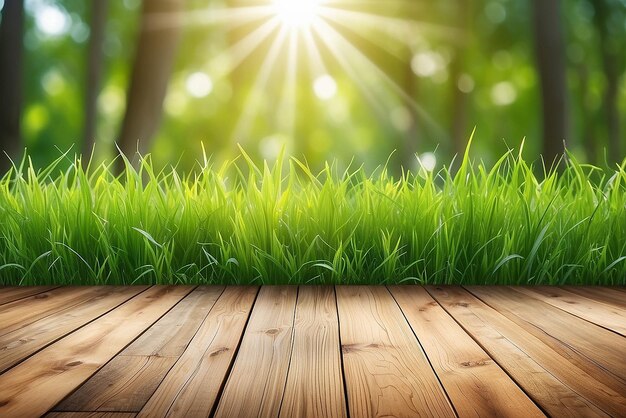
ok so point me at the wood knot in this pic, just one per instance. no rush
(219, 351)
(74, 363)
(475, 363)
(432, 304)
(462, 304)
(348, 348)
(272, 331)
(4, 403)
(42, 296)
(351, 348)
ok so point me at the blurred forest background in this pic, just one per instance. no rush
(327, 79)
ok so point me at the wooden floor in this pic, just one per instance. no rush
(368, 351)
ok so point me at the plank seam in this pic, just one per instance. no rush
(486, 350)
(48, 344)
(572, 313)
(181, 354)
(423, 352)
(220, 392)
(68, 307)
(343, 371)
(27, 296)
(577, 290)
(542, 331)
(123, 348)
(293, 339)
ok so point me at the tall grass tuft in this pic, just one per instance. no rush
(242, 223)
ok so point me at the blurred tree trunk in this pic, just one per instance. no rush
(11, 70)
(156, 48)
(95, 64)
(459, 98)
(550, 54)
(609, 47)
(587, 115)
(410, 139)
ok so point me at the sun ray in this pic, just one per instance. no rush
(354, 75)
(384, 22)
(346, 34)
(251, 105)
(403, 31)
(287, 105)
(243, 48)
(236, 16)
(316, 62)
(379, 38)
(338, 40)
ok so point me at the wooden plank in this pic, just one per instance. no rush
(605, 315)
(191, 387)
(18, 314)
(386, 372)
(10, 294)
(589, 345)
(257, 381)
(610, 295)
(315, 380)
(475, 384)
(170, 336)
(551, 380)
(57, 370)
(127, 382)
(90, 415)
(21, 343)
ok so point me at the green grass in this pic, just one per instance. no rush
(239, 223)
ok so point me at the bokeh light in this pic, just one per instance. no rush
(325, 87)
(199, 85)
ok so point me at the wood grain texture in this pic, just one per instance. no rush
(315, 381)
(386, 372)
(191, 387)
(606, 315)
(10, 294)
(610, 295)
(18, 314)
(476, 385)
(257, 381)
(22, 342)
(588, 345)
(115, 352)
(90, 415)
(127, 382)
(37, 384)
(170, 336)
(123, 384)
(560, 387)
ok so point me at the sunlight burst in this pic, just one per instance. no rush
(297, 14)
(327, 36)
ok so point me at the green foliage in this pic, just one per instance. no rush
(246, 223)
(367, 119)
